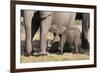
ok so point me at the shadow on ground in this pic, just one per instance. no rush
(51, 49)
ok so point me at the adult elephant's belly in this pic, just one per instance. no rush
(62, 18)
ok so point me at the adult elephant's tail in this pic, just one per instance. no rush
(35, 23)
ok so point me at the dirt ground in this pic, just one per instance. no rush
(54, 57)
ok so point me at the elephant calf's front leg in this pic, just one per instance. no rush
(62, 43)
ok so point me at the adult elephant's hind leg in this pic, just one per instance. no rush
(28, 20)
(44, 28)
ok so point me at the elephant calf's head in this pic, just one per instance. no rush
(57, 29)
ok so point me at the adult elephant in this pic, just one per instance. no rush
(44, 20)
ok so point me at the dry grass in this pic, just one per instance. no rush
(54, 57)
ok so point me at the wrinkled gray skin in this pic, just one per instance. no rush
(47, 19)
(44, 20)
(73, 37)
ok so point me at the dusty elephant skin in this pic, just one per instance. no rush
(73, 37)
(49, 18)
(43, 19)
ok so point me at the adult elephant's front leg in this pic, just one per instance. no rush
(28, 20)
(44, 28)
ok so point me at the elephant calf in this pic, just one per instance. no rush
(71, 36)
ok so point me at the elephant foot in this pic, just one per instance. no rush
(28, 54)
(43, 54)
(36, 54)
(59, 53)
